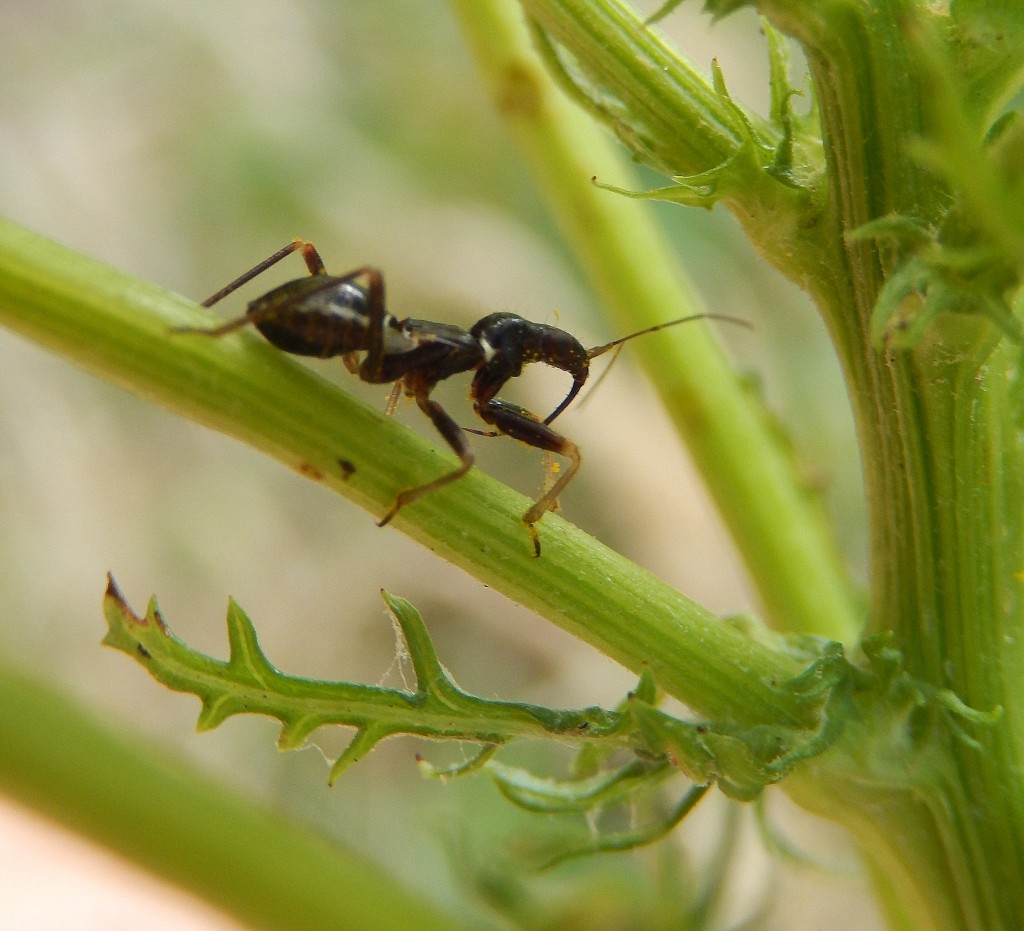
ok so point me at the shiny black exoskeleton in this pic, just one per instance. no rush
(326, 316)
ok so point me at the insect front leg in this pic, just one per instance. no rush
(524, 425)
(456, 439)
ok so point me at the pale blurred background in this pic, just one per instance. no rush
(182, 141)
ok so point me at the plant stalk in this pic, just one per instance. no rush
(121, 328)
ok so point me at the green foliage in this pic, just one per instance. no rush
(935, 276)
(742, 760)
(894, 199)
(765, 153)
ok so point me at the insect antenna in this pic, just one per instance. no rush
(617, 344)
(601, 350)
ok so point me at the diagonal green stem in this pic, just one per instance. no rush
(119, 327)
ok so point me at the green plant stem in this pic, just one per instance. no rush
(184, 826)
(655, 89)
(650, 84)
(120, 328)
(786, 547)
(940, 442)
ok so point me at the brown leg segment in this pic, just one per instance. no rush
(312, 258)
(524, 425)
(313, 262)
(455, 438)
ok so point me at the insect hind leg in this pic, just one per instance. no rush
(312, 258)
(456, 439)
(309, 254)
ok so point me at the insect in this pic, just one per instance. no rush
(327, 315)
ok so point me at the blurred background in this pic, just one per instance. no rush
(183, 141)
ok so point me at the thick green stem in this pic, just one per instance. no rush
(942, 455)
(120, 328)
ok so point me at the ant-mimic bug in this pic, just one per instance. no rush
(326, 315)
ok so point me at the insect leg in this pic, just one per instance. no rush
(394, 397)
(372, 366)
(523, 425)
(455, 438)
(312, 258)
(313, 262)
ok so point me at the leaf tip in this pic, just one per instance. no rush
(123, 624)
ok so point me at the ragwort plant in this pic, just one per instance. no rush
(888, 188)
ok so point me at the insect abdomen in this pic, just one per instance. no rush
(316, 316)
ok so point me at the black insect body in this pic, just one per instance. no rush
(326, 316)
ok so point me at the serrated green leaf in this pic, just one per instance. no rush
(248, 684)
(474, 764)
(599, 790)
(629, 840)
(247, 659)
(364, 740)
